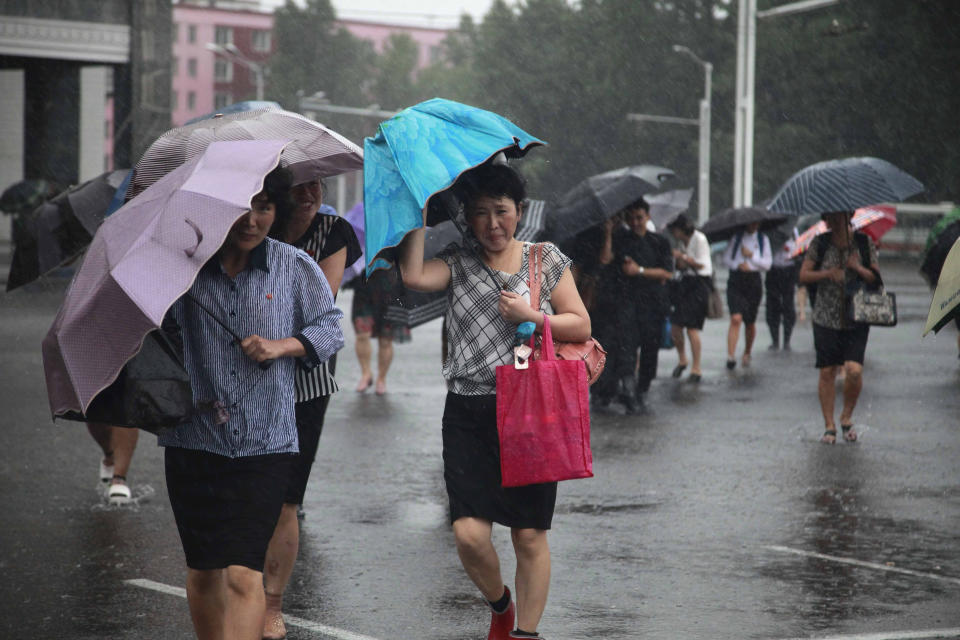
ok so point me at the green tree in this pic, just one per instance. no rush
(393, 85)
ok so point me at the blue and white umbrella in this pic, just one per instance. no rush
(844, 185)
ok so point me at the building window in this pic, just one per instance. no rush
(192, 67)
(223, 36)
(191, 100)
(221, 99)
(176, 32)
(261, 40)
(174, 66)
(222, 70)
(436, 53)
(191, 33)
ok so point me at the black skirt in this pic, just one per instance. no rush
(690, 302)
(744, 292)
(471, 468)
(226, 508)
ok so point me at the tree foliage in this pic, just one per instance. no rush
(866, 77)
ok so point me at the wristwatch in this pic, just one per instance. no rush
(639, 271)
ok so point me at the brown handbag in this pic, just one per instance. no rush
(591, 352)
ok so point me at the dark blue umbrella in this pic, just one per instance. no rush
(844, 185)
(724, 225)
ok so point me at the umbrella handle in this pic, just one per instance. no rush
(266, 364)
(191, 251)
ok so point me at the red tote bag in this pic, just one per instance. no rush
(543, 418)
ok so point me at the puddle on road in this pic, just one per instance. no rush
(603, 509)
(140, 494)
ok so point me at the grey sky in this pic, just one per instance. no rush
(431, 13)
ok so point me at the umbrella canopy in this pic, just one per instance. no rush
(599, 197)
(142, 259)
(61, 228)
(314, 151)
(667, 206)
(238, 107)
(419, 153)
(725, 224)
(844, 185)
(946, 298)
(875, 221)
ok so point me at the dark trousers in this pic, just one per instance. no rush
(780, 287)
(603, 323)
(639, 327)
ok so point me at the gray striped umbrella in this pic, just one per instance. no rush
(314, 152)
(844, 185)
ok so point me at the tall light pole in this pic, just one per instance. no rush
(703, 189)
(230, 52)
(747, 15)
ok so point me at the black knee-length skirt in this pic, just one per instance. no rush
(471, 468)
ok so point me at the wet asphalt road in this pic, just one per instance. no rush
(702, 521)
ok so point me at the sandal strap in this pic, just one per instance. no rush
(846, 427)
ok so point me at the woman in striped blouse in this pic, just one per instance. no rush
(330, 240)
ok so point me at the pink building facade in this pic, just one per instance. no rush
(204, 81)
(428, 39)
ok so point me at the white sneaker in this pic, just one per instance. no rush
(119, 494)
(106, 475)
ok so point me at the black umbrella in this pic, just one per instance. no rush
(599, 197)
(61, 228)
(725, 224)
(26, 195)
(844, 185)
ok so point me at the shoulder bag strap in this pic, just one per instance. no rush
(534, 268)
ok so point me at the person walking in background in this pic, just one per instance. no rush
(599, 283)
(481, 323)
(228, 468)
(371, 299)
(117, 445)
(780, 288)
(747, 256)
(833, 265)
(646, 264)
(331, 241)
(693, 293)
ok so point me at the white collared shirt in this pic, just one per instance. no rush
(759, 261)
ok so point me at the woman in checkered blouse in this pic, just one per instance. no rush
(481, 321)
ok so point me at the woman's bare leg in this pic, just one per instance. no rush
(278, 567)
(478, 555)
(695, 350)
(364, 350)
(384, 358)
(677, 334)
(533, 575)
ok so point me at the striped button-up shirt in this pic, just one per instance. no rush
(281, 294)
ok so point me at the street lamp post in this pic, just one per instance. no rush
(747, 15)
(703, 189)
(230, 52)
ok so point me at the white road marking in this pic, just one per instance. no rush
(293, 621)
(891, 635)
(867, 565)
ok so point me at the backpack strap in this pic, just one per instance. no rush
(737, 240)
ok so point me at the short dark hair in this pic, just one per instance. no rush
(639, 203)
(277, 186)
(493, 181)
(683, 224)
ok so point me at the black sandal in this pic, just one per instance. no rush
(849, 435)
(829, 433)
(678, 370)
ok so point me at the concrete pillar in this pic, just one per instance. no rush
(11, 142)
(93, 100)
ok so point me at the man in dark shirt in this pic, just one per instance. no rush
(645, 265)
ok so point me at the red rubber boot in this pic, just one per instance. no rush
(501, 624)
